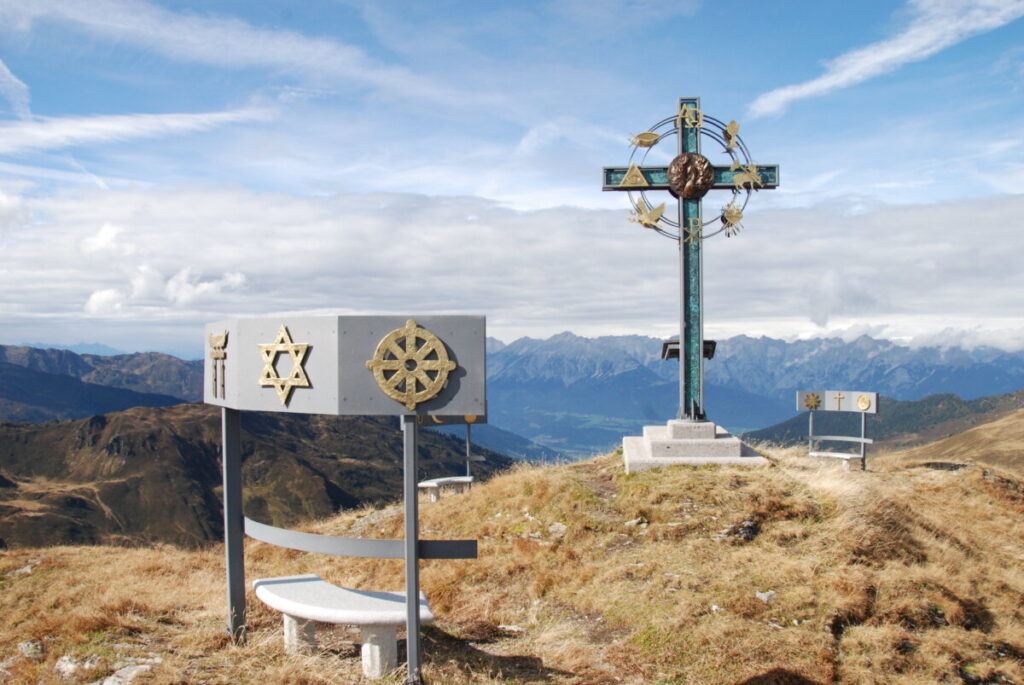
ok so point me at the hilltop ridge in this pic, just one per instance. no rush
(794, 573)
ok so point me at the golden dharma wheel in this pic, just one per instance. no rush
(411, 365)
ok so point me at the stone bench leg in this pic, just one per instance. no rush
(299, 635)
(380, 650)
(435, 494)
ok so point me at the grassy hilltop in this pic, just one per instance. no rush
(905, 574)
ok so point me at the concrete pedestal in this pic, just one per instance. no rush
(299, 635)
(686, 442)
(379, 650)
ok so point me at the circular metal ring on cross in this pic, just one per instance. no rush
(407, 370)
(732, 144)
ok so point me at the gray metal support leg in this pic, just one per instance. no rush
(412, 568)
(231, 437)
(863, 445)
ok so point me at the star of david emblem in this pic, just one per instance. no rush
(296, 378)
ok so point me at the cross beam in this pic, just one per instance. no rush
(657, 177)
(688, 127)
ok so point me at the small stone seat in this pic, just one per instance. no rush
(454, 483)
(307, 598)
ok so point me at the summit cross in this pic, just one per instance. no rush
(689, 177)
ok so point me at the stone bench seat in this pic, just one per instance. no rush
(834, 455)
(436, 485)
(306, 599)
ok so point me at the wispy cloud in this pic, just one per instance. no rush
(226, 42)
(15, 92)
(64, 132)
(936, 25)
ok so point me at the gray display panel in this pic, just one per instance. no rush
(837, 400)
(348, 365)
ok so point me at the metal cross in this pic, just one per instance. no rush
(689, 177)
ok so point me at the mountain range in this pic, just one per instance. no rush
(581, 395)
(573, 395)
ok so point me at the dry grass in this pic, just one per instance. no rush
(895, 576)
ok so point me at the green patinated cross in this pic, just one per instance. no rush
(690, 221)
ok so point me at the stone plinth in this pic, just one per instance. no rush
(686, 442)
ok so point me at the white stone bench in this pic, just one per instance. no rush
(850, 459)
(307, 598)
(455, 483)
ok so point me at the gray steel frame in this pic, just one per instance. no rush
(864, 440)
(411, 548)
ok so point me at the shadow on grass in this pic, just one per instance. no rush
(441, 647)
(779, 676)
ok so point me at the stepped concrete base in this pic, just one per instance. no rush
(686, 442)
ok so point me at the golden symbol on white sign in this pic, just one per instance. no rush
(407, 371)
(296, 378)
(864, 402)
(812, 401)
(218, 354)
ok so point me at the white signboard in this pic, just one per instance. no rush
(837, 400)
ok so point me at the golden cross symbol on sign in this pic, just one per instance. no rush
(839, 397)
(296, 378)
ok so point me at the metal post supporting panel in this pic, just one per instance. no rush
(863, 444)
(412, 569)
(234, 551)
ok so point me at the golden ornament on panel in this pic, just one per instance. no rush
(402, 366)
(296, 378)
(812, 401)
(218, 354)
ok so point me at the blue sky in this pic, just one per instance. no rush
(163, 164)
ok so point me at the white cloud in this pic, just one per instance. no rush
(104, 302)
(204, 255)
(13, 213)
(106, 240)
(55, 133)
(15, 92)
(184, 288)
(936, 25)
